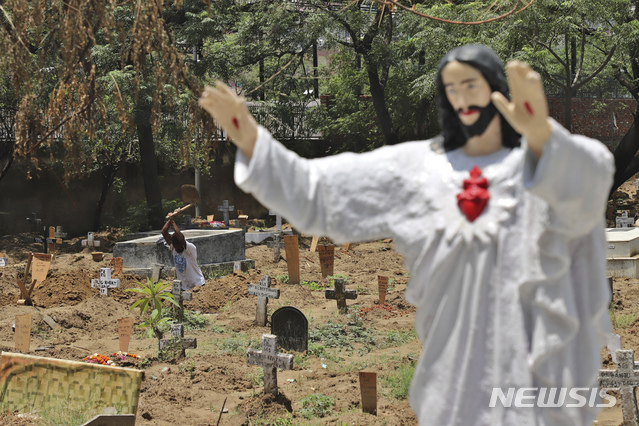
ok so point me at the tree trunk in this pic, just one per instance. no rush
(379, 103)
(626, 160)
(568, 108)
(149, 167)
(108, 176)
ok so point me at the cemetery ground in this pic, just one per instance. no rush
(323, 386)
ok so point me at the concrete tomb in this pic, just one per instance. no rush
(623, 252)
(290, 326)
(216, 249)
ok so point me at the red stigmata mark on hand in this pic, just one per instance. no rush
(528, 108)
(236, 123)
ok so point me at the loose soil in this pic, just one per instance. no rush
(192, 390)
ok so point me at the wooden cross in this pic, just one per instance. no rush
(623, 221)
(41, 263)
(178, 343)
(278, 219)
(625, 378)
(340, 294)
(104, 283)
(276, 245)
(52, 241)
(270, 360)
(263, 293)
(225, 208)
(180, 296)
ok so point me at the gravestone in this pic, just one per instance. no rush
(327, 259)
(180, 296)
(382, 285)
(290, 326)
(623, 221)
(59, 232)
(178, 343)
(292, 258)
(104, 283)
(278, 219)
(156, 272)
(225, 209)
(263, 293)
(270, 360)
(277, 244)
(340, 293)
(4, 260)
(626, 379)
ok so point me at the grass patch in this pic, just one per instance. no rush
(399, 380)
(282, 278)
(397, 338)
(316, 405)
(623, 320)
(338, 337)
(238, 344)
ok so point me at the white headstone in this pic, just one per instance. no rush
(270, 360)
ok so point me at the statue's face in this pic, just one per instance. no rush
(467, 91)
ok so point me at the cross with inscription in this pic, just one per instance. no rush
(225, 208)
(278, 219)
(104, 283)
(180, 296)
(625, 378)
(263, 293)
(270, 360)
(623, 221)
(340, 294)
(178, 343)
(277, 244)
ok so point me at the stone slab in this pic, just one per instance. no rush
(213, 247)
(623, 267)
(622, 242)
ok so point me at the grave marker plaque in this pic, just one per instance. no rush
(625, 378)
(290, 326)
(327, 259)
(104, 283)
(292, 258)
(125, 326)
(209, 218)
(263, 293)
(368, 389)
(340, 293)
(41, 264)
(3, 260)
(116, 264)
(23, 332)
(382, 284)
(226, 208)
(270, 360)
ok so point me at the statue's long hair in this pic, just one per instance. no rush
(486, 61)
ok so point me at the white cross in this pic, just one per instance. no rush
(180, 297)
(263, 293)
(276, 245)
(625, 378)
(278, 219)
(623, 221)
(270, 360)
(104, 283)
(226, 209)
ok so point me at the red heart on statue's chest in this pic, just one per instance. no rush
(474, 198)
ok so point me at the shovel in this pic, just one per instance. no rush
(190, 195)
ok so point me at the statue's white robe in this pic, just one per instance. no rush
(518, 298)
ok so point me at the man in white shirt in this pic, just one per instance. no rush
(184, 255)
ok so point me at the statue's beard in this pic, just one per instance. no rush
(486, 114)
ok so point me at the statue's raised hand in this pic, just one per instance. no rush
(527, 110)
(231, 113)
